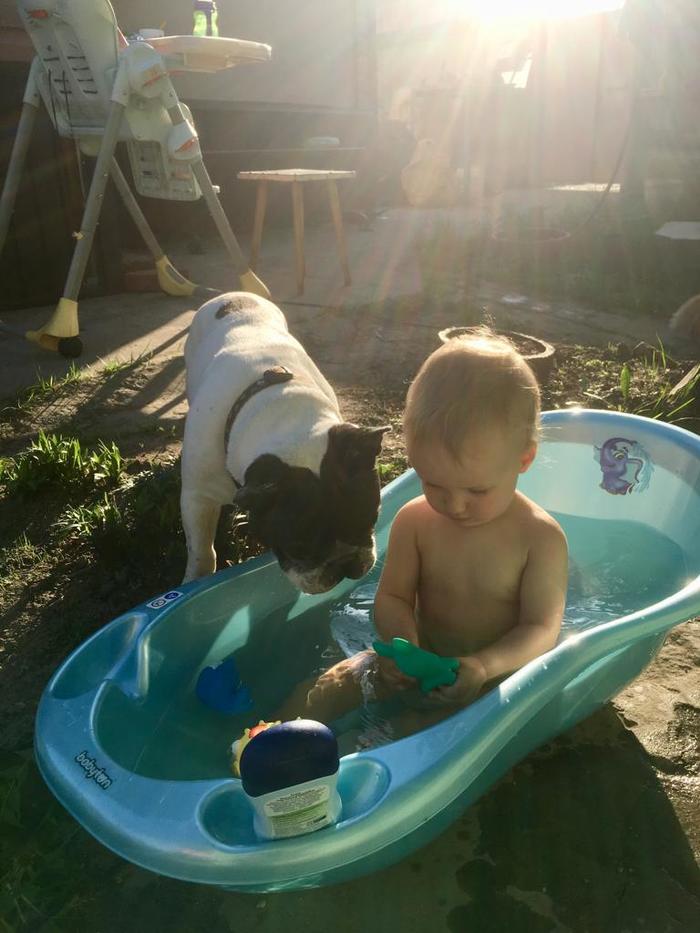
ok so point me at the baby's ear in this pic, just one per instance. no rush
(527, 457)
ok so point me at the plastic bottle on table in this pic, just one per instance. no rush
(205, 17)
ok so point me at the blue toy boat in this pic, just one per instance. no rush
(126, 746)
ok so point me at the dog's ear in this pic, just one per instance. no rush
(354, 449)
(263, 481)
(255, 497)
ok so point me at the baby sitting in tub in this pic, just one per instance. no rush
(474, 569)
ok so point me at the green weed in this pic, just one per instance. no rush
(20, 555)
(81, 521)
(54, 461)
(390, 469)
(137, 524)
(44, 389)
(664, 401)
(625, 380)
(112, 367)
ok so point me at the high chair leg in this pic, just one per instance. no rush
(14, 169)
(248, 279)
(61, 330)
(170, 280)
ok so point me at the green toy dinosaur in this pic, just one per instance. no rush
(430, 669)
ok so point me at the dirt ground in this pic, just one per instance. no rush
(597, 832)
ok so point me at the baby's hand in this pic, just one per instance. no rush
(393, 678)
(471, 677)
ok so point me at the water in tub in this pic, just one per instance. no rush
(617, 567)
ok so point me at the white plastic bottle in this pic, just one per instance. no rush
(290, 775)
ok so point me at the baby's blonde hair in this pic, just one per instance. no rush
(473, 381)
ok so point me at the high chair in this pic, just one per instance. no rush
(101, 89)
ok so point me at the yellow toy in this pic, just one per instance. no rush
(240, 744)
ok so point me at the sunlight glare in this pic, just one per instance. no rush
(535, 9)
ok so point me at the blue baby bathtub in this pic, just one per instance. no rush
(127, 748)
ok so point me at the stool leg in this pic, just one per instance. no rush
(260, 205)
(337, 215)
(298, 211)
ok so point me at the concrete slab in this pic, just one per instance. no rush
(124, 327)
(385, 264)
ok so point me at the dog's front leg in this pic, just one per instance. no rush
(200, 516)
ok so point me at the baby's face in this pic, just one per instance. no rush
(477, 488)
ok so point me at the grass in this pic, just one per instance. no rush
(45, 389)
(83, 508)
(127, 519)
(57, 401)
(112, 367)
(56, 461)
(672, 400)
(651, 385)
(84, 521)
(19, 555)
(391, 468)
(49, 868)
(122, 518)
(612, 263)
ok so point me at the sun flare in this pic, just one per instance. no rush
(535, 9)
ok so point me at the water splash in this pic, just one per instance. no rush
(351, 621)
(617, 567)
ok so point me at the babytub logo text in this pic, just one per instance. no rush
(625, 465)
(93, 770)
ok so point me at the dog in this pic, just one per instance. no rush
(264, 431)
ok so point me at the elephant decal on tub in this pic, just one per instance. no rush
(625, 465)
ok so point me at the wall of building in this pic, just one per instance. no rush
(322, 50)
(562, 120)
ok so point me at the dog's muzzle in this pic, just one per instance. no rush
(351, 564)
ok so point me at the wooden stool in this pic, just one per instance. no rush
(297, 177)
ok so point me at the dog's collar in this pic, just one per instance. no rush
(271, 377)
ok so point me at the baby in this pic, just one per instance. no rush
(474, 569)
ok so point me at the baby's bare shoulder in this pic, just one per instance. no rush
(543, 528)
(413, 511)
(412, 518)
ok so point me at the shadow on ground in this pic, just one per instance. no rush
(578, 838)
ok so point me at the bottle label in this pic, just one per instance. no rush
(298, 812)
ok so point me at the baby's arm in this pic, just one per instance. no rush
(542, 599)
(394, 604)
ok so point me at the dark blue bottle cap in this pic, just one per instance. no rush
(288, 754)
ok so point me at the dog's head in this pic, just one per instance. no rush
(320, 527)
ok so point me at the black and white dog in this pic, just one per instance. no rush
(264, 431)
